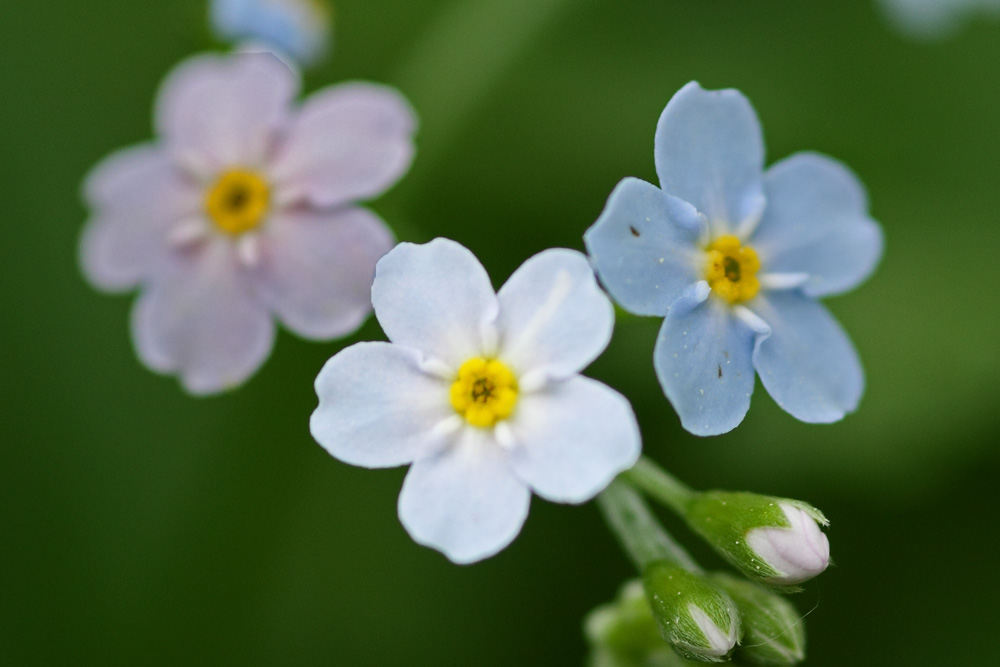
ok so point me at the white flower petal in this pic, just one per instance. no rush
(315, 269)
(465, 501)
(138, 197)
(202, 321)
(436, 298)
(572, 438)
(225, 109)
(553, 316)
(377, 409)
(349, 142)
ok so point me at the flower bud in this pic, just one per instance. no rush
(694, 616)
(624, 632)
(774, 540)
(773, 633)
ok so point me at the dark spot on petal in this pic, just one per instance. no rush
(720, 370)
(635, 232)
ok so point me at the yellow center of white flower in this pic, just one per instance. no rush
(238, 201)
(484, 392)
(731, 269)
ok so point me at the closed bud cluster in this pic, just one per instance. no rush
(774, 540)
(623, 632)
(694, 616)
(773, 633)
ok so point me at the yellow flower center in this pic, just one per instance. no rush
(485, 392)
(731, 269)
(238, 201)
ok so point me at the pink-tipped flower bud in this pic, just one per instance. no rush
(797, 552)
(777, 541)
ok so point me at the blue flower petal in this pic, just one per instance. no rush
(703, 361)
(709, 152)
(807, 364)
(643, 247)
(816, 222)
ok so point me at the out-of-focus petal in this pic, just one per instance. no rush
(709, 152)
(643, 247)
(296, 28)
(316, 268)
(703, 361)
(816, 222)
(220, 111)
(377, 409)
(138, 196)
(436, 298)
(807, 364)
(572, 438)
(349, 142)
(201, 320)
(465, 501)
(554, 318)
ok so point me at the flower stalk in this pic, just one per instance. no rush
(640, 534)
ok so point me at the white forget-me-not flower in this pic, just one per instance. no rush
(243, 211)
(299, 29)
(480, 392)
(735, 259)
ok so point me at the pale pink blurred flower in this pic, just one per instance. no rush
(244, 211)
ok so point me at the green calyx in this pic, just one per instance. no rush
(694, 615)
(723, 519)
(773, 632)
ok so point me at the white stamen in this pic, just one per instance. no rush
(248, 250)
(504, 435)
(437, 368)
(532, 381)
(752, 320)
(777, 281)
(187, 232)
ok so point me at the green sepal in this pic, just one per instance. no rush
(723, 519)
(773, 632)
(625, 627)
(671, 592)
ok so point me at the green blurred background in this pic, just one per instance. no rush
(143, 527)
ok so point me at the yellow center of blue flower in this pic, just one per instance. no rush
(484, 392)
(238, 201)
(731, 269)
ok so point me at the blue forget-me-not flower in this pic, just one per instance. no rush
(299, 29)
(734, 258)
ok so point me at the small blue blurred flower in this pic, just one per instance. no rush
(299, 29)
(934, 19)
(735, 259)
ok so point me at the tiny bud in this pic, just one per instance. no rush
(774, 540)
(694, 616)
(773, 633)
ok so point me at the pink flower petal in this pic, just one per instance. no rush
(349, 142)
(202, 320)
(138, 197)
(217, 111)
(316, 269)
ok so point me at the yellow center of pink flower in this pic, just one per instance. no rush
(238, 201)
(731, 269)
(484, 392)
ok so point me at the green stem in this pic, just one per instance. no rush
(661, 485)
(640, 534)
